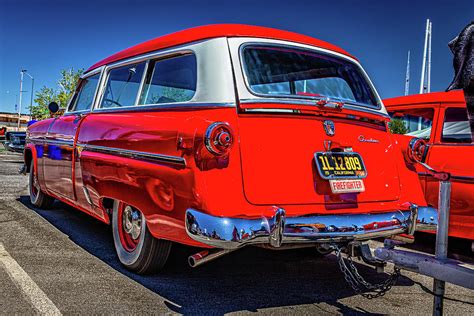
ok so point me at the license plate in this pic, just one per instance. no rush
(340, 165)
(347, 186)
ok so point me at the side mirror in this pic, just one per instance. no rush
(53, 107)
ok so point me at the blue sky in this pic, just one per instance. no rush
(45, 36)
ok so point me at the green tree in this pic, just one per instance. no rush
(59, 94)
(397, 126)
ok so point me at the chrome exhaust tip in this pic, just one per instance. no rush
(206, 256)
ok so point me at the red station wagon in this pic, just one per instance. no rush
(225, 136)
(441, 119)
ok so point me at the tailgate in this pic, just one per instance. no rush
(278, 159)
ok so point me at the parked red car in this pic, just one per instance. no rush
(441, 119)
(224, 136)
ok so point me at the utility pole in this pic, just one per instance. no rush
(32, 91)
(428, 86)
(425, 83)
(19, 103)
(407, 77)
(423, 67)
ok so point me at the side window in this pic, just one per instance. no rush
(122, 87)
(416, 122)
(456, 126)
(170, 80)
(85, 96)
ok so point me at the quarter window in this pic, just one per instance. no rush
(170, 80)
(456, 126)
(85, 95)
(122, 87)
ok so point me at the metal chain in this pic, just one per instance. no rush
(358, 283)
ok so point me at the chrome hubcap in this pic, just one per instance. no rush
(132, 222)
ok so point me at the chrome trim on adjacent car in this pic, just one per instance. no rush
(176, 161)
(453, 177)
(232, 233)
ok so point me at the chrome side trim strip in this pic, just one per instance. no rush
(57, 142)
(233, 233)
(141, 155)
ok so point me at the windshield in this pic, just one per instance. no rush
(281, 71)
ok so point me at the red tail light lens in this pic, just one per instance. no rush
(218, 138)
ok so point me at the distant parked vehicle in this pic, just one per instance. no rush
(441, 119)
(15, 141)
(3, 131)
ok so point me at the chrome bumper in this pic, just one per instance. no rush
(232, 233)
(13, 147)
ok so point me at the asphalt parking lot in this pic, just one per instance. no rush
(62, 261)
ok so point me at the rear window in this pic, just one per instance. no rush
(170, 80)
(456, 126)
(281, 71)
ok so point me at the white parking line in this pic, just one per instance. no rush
(30, 290)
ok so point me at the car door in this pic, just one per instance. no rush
(453, 152)
(58, 163)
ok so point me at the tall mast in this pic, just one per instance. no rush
(428, 72)
(407, 77)
(423, 67)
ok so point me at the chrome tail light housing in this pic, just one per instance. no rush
(218, 138)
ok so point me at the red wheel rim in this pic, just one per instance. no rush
(129, 243)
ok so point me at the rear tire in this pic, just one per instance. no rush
(37, 197)
(136, 248)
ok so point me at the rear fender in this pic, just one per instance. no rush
(30, 154)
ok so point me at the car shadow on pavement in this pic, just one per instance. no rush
(246, 280)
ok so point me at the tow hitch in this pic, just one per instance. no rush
(438, 266)
(352, 276)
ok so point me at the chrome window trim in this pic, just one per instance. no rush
(85, 76)
(142, 82)
(241, 81)
(201, 49)
(243, 67)
(309, 102)
(168, 159)
(168, 106)
(136, 60)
